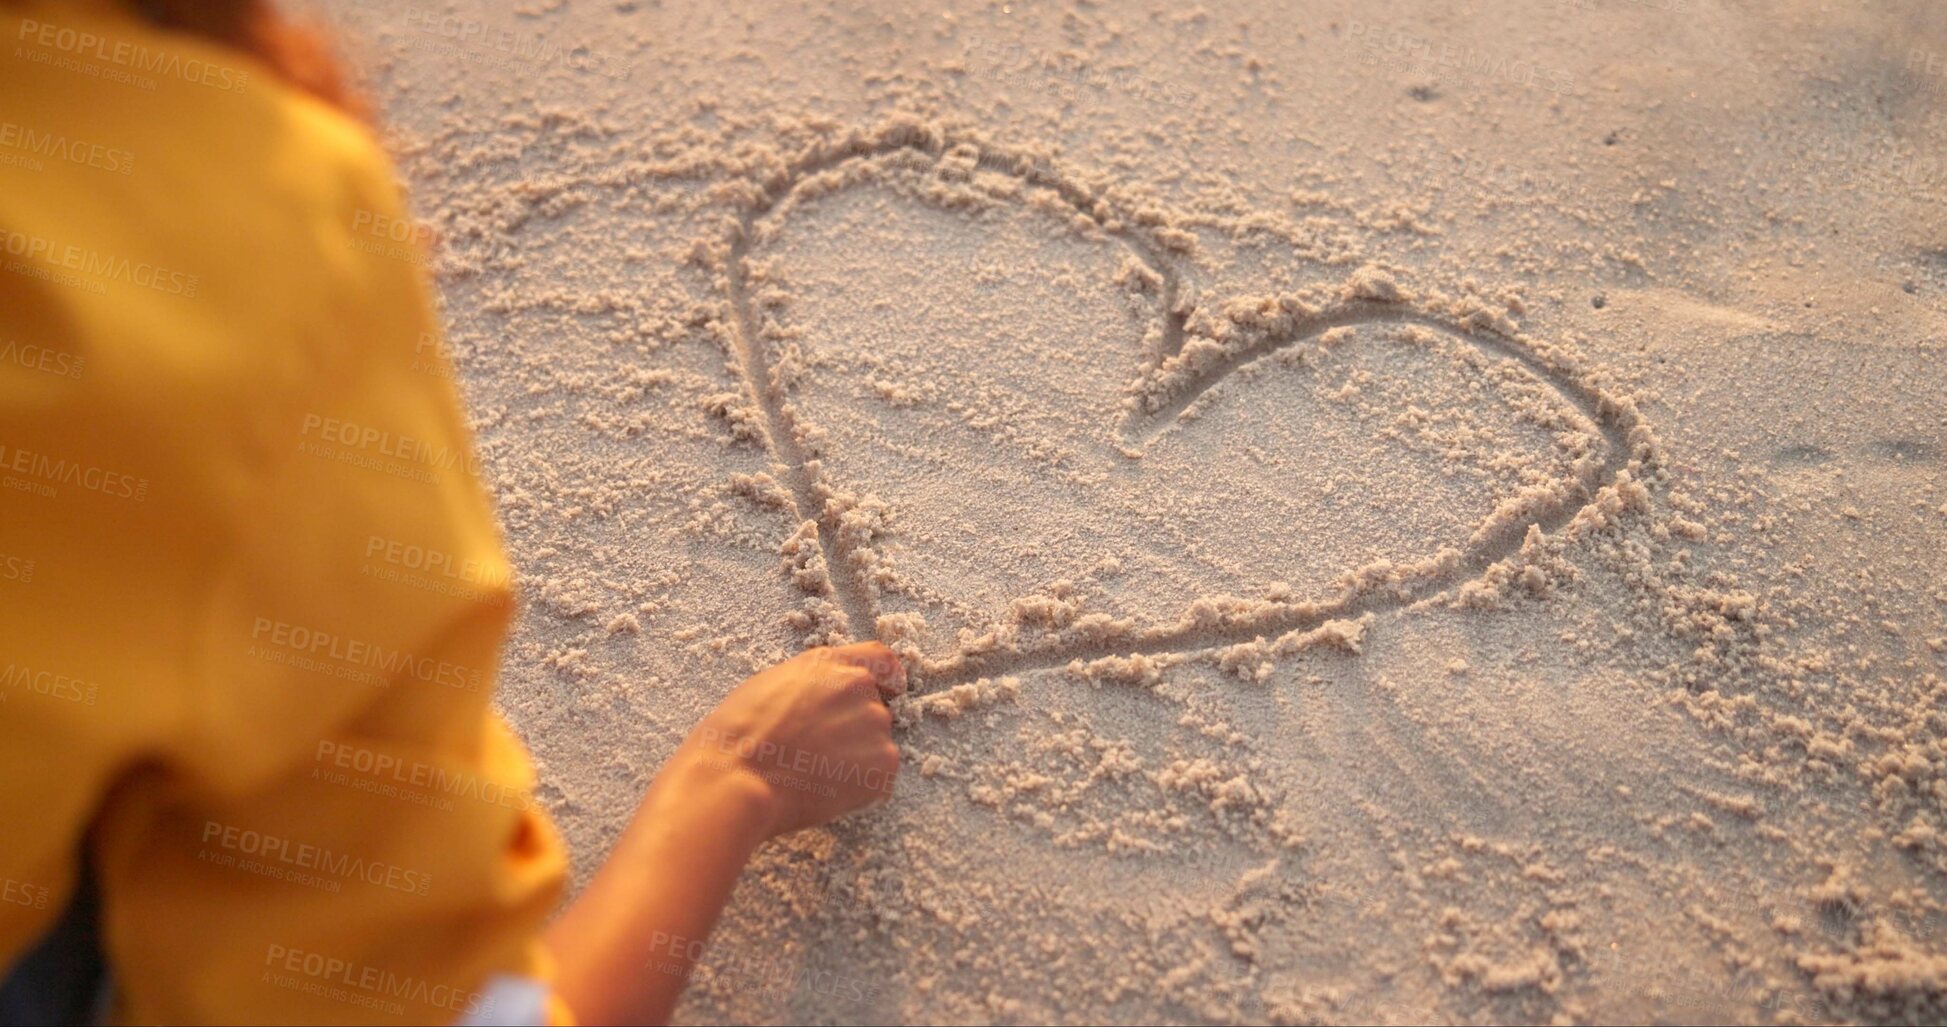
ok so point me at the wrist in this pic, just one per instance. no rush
(718, 794)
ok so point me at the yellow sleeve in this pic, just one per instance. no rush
(249, 663)
(389, 860)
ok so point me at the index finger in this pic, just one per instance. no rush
(887, 670)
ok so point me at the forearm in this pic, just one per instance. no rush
(627, 946)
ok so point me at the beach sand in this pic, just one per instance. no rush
(1394, 511)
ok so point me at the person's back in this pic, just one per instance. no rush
(228, 705)
(211, 435)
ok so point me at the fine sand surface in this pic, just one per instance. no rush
(1394, 511)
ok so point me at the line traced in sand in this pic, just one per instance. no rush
(1617, 423)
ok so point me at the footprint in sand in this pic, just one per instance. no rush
(1024, 439)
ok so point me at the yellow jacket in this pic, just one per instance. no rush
(251, 594)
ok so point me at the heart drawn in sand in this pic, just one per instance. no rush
(1194, 449)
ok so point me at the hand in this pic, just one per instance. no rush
(812, 734)
(798, 744)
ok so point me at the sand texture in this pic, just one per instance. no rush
(1393, 511)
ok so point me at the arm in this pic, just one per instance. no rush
(797, 745)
